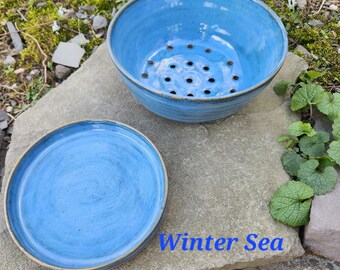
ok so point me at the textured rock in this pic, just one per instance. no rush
(303, 50)
(62, 72)
(322, 234)
(221, 175)
(68, 54)
(16, 39)
(9, 60)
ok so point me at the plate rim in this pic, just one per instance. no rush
(126, 256)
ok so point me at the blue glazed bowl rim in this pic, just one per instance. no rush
(128, 255)
(205, 99)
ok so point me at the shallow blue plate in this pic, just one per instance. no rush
(86, 196)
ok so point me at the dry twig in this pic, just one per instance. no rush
(321, 6)
(43, 62)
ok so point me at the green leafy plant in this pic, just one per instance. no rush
(311, 154)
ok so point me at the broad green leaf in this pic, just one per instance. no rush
(312, 75)
(321, 181)
(314, 146)
(300, 128)
(291, 204)
(336, 128)
(291, 162)
(334, 151)
(330, 105)
(326, 161)
(283, 139)
(307, 95)
(281, 87)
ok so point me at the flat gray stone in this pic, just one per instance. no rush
(68, 54)
(322, 234)
(16, 39)
(221, 175)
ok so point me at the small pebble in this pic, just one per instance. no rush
(303, 50)
(333, 7)
(34, 72)
(69, 14)
(62, 72)
(9, 109)
(28, 77)
(99, 22)
(19, 70)
(81, 15)
(13, 103)
(9, 61)
(316, 23)
(88, 8)
(40, 4)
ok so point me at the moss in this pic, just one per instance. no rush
(321, 42)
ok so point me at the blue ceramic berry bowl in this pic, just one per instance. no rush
(196, 60)
(89, 195)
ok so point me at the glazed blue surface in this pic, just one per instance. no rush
(87, 195)
(201, 55)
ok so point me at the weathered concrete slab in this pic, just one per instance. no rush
(221, 176)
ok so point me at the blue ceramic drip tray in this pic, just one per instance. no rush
(195, 68)
(87, 195)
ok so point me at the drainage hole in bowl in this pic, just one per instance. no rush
(173, 92)
(145, 75)
(206, 68)
(207, 92)
(212, 80)
(190, 46)
(232, 90)
(230, 63)
(173, 66)
(151, 63)
(167, 79)
(189, 80)
(190, 95)
(208, 50)
(170, 47)
(190, 63)
(235, 77)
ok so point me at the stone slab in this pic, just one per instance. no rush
(322, 234)
(305, 262)
(221, 175)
